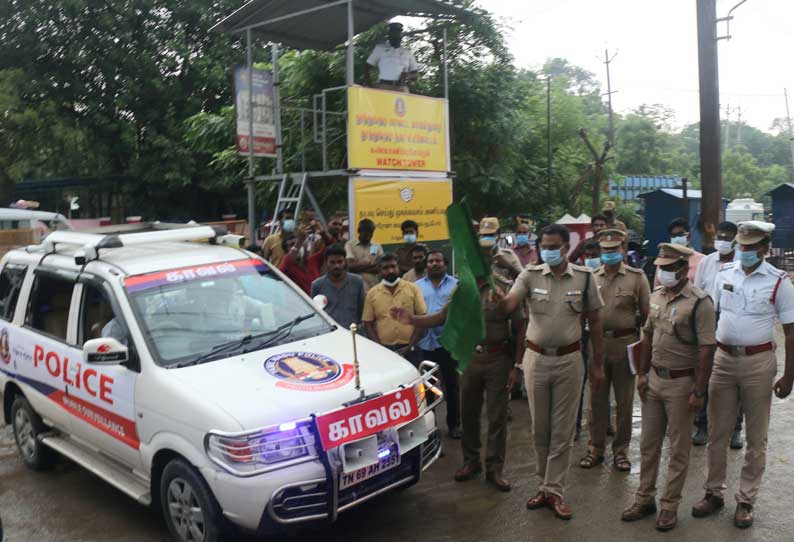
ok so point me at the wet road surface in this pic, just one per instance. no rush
(70, 504)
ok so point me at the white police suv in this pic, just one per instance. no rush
(197, 378)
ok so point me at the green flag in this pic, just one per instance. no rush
(465, 327)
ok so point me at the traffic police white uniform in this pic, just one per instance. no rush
(749, 295)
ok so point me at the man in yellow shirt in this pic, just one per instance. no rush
(391, 292)
(271, 248)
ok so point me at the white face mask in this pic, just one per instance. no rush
(667, 279)
(390, 284)
(723, 247)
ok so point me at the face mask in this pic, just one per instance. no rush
(552, 257)
(487, 240)
(288, 225)
(409, 238)
(522, 239)
(391, 280)
(679, 240)
(748, 258)
(592, 263)
(723, 247)
(668, 279)
(612, 258)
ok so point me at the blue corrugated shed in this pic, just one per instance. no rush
(632, 186)
(783, 215)
(666, 204)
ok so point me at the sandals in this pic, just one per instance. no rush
(622, 464)
(589, 461)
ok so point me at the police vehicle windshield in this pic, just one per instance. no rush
(214, 311)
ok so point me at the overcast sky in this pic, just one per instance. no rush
(656, 42)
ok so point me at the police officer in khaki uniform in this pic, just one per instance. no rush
(677, 347)
(750, 295)
(504, 261)
(558, 294)
(492, 371)
(626, 295)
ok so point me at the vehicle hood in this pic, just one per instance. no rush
(293, 380)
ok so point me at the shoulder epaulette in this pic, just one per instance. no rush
(581, 268)
(700, 294)
(631, 269)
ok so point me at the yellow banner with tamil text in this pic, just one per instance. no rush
(397, 131)
(388, 202)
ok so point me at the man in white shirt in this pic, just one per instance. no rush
(750, 294)
(704, 279)
(396, 65)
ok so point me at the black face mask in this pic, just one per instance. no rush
(391, 277)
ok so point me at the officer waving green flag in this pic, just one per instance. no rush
(464, 328)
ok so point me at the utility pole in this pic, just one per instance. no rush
(608, 61)
(739, 128)
(727, 126)
(711, 181)
(548, 146)
(790, 131)
(598, 168)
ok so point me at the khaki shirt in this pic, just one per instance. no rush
(506, 263)
(670, 325)
(556, 305)
(271, 248)
(355, 250)
(623, 296)
(378, 304)
(497, 323)
(410, 276)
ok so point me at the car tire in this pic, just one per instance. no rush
(188, 506)
(27, 426)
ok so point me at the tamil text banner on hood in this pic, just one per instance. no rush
(388, 202)
(397, 131)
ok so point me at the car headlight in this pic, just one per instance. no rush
(262, 450)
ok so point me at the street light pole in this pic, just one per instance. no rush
(548, 147)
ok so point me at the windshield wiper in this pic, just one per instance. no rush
(283, 331)
(280, 332)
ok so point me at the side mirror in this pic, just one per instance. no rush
(105, 351)
(320, 301)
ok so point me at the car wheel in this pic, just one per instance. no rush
(189, 507)
(28, 427)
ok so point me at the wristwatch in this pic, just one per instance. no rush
(699, 394)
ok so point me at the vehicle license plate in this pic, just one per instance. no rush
(365, 473)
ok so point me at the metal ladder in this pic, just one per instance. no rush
(290, 196)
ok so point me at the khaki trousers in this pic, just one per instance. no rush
(554, 385)
(618, 376)
(735, 381)
(665, 411)
(486, 374)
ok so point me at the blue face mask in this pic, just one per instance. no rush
(288, 225)
(612, 258)
(679, 240)
(488, 239)
(552, 257)
(409, 238)
(522, 239)
(592, 263)
(748, 258)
